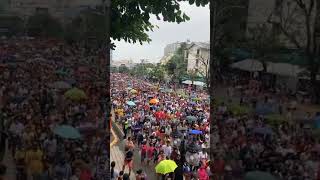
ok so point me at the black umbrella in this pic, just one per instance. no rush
(176, 134)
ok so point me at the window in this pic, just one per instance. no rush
(197, 62)
(42, 10)
(187, 54)
(198, 52)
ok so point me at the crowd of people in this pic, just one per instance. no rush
(241, 142)
(47, 85)
(287, 149)
(163, 124)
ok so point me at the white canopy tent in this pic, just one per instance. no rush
(197, 83)
(250, 65)
(284, 69)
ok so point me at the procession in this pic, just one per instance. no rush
(168, 130)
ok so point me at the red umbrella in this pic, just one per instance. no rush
(160, 115)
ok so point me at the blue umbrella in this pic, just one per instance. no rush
(317, 122)
(68, 132)
(264, 110)
(131, 103)
(263, 130)
(194, 131)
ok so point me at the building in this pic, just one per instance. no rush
(171, 48)
(118, 63)
(60, 9)
(197, 56)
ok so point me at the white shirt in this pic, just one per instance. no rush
(167, 150)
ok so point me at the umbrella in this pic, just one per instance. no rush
(154, 101)
(196, 99)
(191, 118)
(75, 94)
(66, 131)
(60, 85)
(254, 175)
(264, 109)
(166, 167)
(263, 130)
(133, 91)
(317, 122)
(131, 103)
(62, 72)
(194, 131)
(18, 99)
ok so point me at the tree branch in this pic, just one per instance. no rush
(284, 30)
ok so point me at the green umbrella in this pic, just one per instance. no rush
(259, 175)
(67, 132)
(75, 94)
(191, 119)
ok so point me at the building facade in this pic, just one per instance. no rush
(171, 48)
(60, 9)
(197, 56)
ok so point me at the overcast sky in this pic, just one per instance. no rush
(197, 29)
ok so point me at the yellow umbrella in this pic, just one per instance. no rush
(154, 101)
(133, 91)
(75, 94)
(166, 167)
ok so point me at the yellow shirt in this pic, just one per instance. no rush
(34, 161)
(20, 154)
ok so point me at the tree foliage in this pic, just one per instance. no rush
(130, 19)
(177, 65)
(298, 23)
(263, 43)
(123, 69)
(43, 24)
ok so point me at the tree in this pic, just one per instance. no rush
(204, 71)
(158, 73)
(262, 42)
(227, 29)
(44, 25)
(297, 20)
(130, 19)
(113, 69)
(123, 69)
(177, 65)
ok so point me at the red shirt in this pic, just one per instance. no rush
(85, 175)
(144, 149)
(150, 151)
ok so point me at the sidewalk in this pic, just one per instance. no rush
(117, 155)
(8, 161)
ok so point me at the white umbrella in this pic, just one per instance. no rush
(61, 85)
(250, 65)
(284, 69)
(197, 83)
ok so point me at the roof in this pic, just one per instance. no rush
(202, 45)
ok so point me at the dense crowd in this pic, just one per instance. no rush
(249, 141)
(35, 76)
(162, 124)
(242, 142)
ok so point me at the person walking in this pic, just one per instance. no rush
(128, 160)
(114, 173)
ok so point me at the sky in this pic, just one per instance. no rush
(196, 29)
